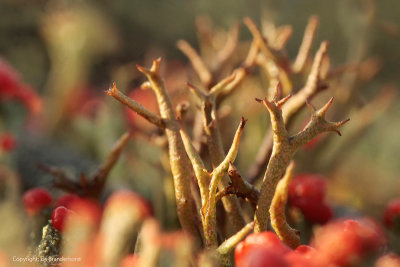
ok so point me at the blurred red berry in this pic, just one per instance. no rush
(392, 213)
(59, 216)
(303, 256)
(388, 260)
(313, 211)
(36, 199)
(261, 257)
(130, 260)
(250, 251)
(307, 192)
(310, 186)
(348, 242)
(66, 200)
(8, 142)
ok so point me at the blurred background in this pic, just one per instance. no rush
(67, 53)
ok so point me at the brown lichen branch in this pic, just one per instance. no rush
(288, 235)
(135, 106)
(305, 47)
(94, 185)
(313, 86)
(179, 162)
(284, 148)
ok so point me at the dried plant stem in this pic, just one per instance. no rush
(283, 150)
(287, 234)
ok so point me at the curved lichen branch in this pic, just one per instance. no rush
(283, 150)
(135, 106)
(305, 47)
(287, 234)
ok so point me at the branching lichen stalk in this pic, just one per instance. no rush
(284, 148)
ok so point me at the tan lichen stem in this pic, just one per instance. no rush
(135, 106)
(305, 47)
(228, 245)
(288, 235)
(179, 162)
(218, 173)
(283, 150)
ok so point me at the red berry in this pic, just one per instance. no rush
(314, 212)
(8, 142)
(302, 256)
(59, 216)
(346, 242)
(66, 200)
(255, 245)
(388, 260)
(261, 257)
(36, 199)
(392, 213)
(310, 186)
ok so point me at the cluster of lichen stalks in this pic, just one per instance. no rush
(196, 199)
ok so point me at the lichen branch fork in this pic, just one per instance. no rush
(284, 148)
